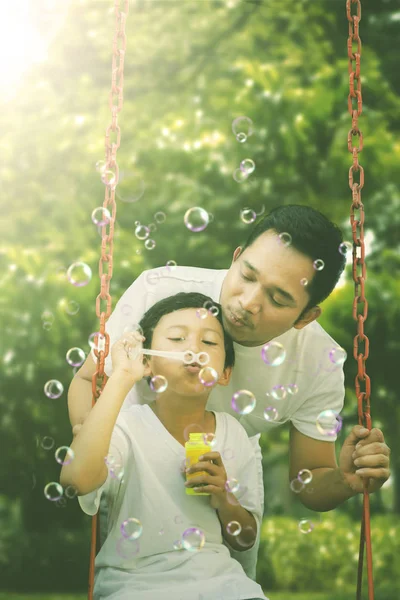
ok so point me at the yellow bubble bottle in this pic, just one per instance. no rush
(195, 447)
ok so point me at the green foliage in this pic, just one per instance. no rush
(191, 68)
(326, 559)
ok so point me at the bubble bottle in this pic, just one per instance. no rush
(195, 447)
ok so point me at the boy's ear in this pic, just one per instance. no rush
(147, 368)
(225, 377)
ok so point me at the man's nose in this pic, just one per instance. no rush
(250, 303)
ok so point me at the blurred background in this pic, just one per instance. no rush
(191, 68)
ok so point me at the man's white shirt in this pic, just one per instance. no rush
(317, 382)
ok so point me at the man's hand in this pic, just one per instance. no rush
(364, 454)
(215, 478)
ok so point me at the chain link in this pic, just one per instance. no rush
(360, 303)
(110, 177)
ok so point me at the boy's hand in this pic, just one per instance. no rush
(127, 357)
(215, 478)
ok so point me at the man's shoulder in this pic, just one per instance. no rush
(187, 274)
(314, 334)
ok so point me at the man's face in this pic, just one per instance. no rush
(184, 330)
(250, 291)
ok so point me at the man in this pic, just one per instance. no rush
(269, 295)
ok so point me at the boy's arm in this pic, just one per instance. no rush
(80, 393)
(230, 511)
(91, 444)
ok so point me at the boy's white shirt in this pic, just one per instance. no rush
(320, 383)
(145, 482)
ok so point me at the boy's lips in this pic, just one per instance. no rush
(193, 368)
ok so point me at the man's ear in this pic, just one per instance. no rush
(236, 253)
(310, 316)
(225, 377)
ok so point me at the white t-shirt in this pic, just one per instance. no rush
(152, 491)
(307, 367)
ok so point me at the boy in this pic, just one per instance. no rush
(162, 542)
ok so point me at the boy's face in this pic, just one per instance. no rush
(183, 330)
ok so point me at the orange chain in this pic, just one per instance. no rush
(357, 225)
(110, 177)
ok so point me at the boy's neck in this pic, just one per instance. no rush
(176, 420)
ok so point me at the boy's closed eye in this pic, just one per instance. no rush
(205, 341)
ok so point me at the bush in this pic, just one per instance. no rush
(326, 559)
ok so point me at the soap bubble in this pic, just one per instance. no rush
(153, 277)
(304, 281)
(158, 384)
(234, 528)
(285, 239)
(75, 357)
(318, 264)
(247, 166)
(208, 376)
(242, 128)
(296, 485)
(108, 177)
(47, 443)
(53, 491)
(193, 539)
(345, 247)
(171, 265)
(338, 355)
(248, 215)
(329, 422)
(305, 476)
(53, 388)
(270, 413)
(101, 216)
(210, 439)
(131, 187)
(131, 528)
(160, 217)
(64, 455)
(239, 176)
(149, 244)
(202, 313)
(142, 232)
(100, 166)
(196, 219)
(278, 392)
(79, 274)
(273, 354)
(232, 485)
(152, 227)
(305, 526)
(127, 548)
(292, 388)
(243, 402)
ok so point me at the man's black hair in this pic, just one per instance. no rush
(150, 319)
(314, 236)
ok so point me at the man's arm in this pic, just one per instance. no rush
(232, 510)
(328, 486)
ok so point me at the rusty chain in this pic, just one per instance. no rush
(360, 313)
(110, 177)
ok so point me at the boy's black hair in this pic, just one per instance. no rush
(150, 319)
(314, 236)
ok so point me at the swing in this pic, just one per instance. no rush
(111, 167)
